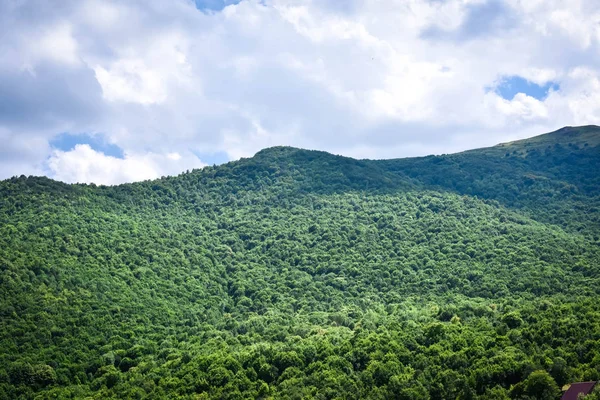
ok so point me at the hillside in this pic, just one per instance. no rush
(299, 274)
(552, 177)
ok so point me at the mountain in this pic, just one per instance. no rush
(300, 274)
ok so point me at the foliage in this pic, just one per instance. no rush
(298, 274)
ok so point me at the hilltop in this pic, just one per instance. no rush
(580, 136)
(301, 274)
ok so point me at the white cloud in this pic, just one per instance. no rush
(582, 93)
(362, 78)
(145, 74)
(131, 81)
(540, 76)
(84, 164)
(57, 44)
(102, 15)
(174, 156)
(521, 106)
(50, 43)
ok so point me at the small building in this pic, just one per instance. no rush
(578, 388)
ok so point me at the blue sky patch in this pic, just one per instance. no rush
(98, 142)
(509, 86)
(214, 5)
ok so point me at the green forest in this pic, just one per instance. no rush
(299, 274)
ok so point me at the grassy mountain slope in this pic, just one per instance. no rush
(298, 274)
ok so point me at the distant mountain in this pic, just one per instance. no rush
(300, 274)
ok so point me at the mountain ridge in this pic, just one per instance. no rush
(565, 135)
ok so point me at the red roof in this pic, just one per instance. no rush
(578, 388)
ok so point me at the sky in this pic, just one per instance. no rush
(120, 91)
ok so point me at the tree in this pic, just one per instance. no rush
(539, 385)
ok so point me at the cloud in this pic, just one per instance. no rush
(84, 164)
(582, 94)
(131, 81)
(55, 43)
(22, 157)
(521, 106)
(167, 79)
(478, 19)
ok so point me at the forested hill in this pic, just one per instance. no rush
(299, 274)
(552, 177)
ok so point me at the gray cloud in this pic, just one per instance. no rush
(49, 96)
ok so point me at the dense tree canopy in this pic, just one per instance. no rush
(298, 274)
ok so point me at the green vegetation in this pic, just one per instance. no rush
(299, 274)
